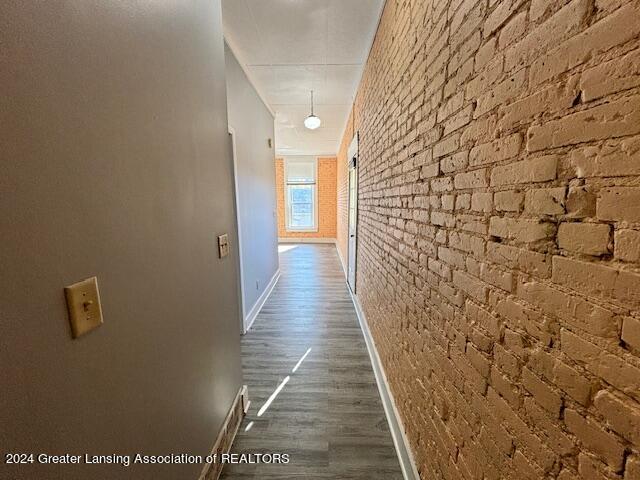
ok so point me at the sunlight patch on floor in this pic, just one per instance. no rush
(286, 248)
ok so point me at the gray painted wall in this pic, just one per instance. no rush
(253, 125)
(115, 162)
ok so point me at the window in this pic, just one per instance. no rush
(301, 194)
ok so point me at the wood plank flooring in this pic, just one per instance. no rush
(328, 416)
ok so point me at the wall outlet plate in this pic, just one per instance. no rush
(83, 303)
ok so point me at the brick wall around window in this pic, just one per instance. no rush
(326, 185)
(499, 232)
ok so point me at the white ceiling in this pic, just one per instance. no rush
(290, 47)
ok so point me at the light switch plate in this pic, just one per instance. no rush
(83, 303)
(223, 245)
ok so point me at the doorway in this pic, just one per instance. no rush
(352, 155)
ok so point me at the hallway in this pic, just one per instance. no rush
(184, 185)
(328, 417)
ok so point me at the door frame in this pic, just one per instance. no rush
(236, 198)
(352, 164)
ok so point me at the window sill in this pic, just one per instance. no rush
(301, 230)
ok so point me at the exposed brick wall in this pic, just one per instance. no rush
(342, 225)
(327, 198)
(499, 233)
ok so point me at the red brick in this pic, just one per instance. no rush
(467, 243)
(581, 203)
(429, 171)
(478, 360)
(585, 238)
(611, 120)
(501, 93)
(535, 448)
(452, 105)
(481, 129)
(499, 15)
(598, 280)
(542, 393)
(485, 53)
(454, 162)
(446, 146)
(611, 368)
(520, 259)
(610, 77)
(595, 438)
(538, 9)
(572, 381)
(622, 414)
(590, 468)
(496, 277)
(627, 245)
(619, 27)
(566, 474)
(513, 30)
(473, 179)
(616, 158)
(441, 184)
(451, 257)
(489, 322)
(619, 203)
(507, 362)
(553, 98)
(458, 120)
(533, 170)
(632, 468)
(524, 469)
(496, 151)
(573, 310)
(508, 201)
(545, 201)
(549, 429)
(470, 285)
(467, 50)
(520, 229)
(560, 26)
(482, 201)
(631, 332)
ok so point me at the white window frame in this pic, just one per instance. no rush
(287, 206)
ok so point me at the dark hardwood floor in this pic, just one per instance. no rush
(328, 416)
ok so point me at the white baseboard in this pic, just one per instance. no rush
(400, 440)
(305, 240)
(255, 310)
(226, 436)
(344, 265)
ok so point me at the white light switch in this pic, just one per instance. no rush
(83, 302)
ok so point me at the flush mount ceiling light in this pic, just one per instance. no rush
(312, 122)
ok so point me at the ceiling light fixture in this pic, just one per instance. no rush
(312, 122)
